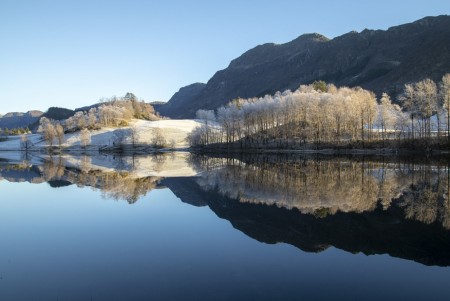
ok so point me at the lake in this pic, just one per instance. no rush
(188, 227)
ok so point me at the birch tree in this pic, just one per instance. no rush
(207, 116)
(59, 131)
(135, 134)
(386, 116)
(85, 138)
(426, 101)
(408, 100)
(444, 94)
(47, 130)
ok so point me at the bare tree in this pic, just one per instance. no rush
(80, 119)
(92, 118)
(444, 94)
(134, 135)
(409, 102)
(207, 116)
(158, 139)
(426, 97)
(25, 143)
(194, 138)
(47, 130)
(172, 143)
(85, 138)
(387, 118)
(59, 130)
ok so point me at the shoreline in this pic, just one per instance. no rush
(145, 149)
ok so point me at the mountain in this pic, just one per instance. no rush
(30, 119)
(87, 108)
(19, 120)
(56, 113)
(378, 60)
(177, 103)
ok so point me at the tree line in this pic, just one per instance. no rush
(324, 113)
(14, 132)
(111, 112)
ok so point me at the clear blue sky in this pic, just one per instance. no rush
(71, 53)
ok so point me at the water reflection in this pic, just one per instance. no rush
(323, 187)
(393, 206)
(118, 178)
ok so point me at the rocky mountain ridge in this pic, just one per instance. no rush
(378, 60)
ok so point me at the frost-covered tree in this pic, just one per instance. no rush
(387, 115)
(158, 138)
(80, 119)
(59, 131)
(312, 115)
(409, 101)
(92, 118)
(444, 95)
(114, 111)
(85, 137)
(426, 101)
(47, 130)
(207, 116)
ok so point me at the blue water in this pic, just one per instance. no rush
(70, 244)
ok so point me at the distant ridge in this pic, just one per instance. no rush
(379, 60)
(19, 120)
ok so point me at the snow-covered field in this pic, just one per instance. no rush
(173, 164)
(13, 142)
(173, 131)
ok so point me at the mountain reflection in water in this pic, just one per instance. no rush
(392, 206)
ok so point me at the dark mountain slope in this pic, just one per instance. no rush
(19, 120)
(31, 119)
(374, 59)
(185, 95)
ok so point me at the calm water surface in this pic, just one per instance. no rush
(182, 228)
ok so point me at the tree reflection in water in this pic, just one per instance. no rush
(326, 186)
(393, 206)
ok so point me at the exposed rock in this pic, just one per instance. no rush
(374, 59)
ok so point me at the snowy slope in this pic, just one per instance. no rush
(13, 142)
(174, 131)
(164, 165)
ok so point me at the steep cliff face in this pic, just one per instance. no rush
(374, 59)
